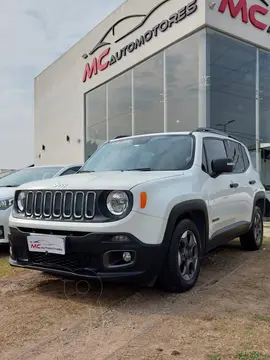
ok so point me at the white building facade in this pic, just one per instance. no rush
(160, 65)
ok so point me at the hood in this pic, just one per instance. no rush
(115, 180)
(6, 193)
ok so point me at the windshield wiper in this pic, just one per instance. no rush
(9, 186)
(139, 169)
(85, 171)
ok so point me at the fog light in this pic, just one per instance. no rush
(127, 256)
(120, 238)
(1, 232)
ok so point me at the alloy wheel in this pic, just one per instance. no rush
(188, 255)
(258, 228)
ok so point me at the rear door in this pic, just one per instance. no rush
(242, 178)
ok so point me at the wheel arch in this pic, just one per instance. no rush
(195, 210)
(260, 201)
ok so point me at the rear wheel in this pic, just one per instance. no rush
(253, 239)
(182, 266)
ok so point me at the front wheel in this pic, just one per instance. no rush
(182, 266)
(253, 239)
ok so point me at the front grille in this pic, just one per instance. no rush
(69, 262)
(60, 205)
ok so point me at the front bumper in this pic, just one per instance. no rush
(87, 258)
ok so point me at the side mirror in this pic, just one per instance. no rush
(224, 165)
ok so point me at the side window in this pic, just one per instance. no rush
(245, 157)
(234, 152)
(215, 149)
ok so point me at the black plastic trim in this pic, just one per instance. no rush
(227, 234)
(186, 207)
(90, 249)
(260, 195)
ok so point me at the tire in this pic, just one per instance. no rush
(185, 247)
(253, 239)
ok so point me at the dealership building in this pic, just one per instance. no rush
(156, 66)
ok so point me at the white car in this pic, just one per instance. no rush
(144, 208)
(10, 182)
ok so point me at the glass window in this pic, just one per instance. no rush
(182, 73)
(215, 149)
(245, 157)
(264, 64)
(96, 136)
(148, 98)
(232, 67)
(95, 106)
(96, 128)
(157, 153)
(119, 102)
(27, 175)
(234, 153)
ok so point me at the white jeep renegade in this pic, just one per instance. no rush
(143, 208)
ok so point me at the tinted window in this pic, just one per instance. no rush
(148, 89)
(245, 157)
(234, 153)
(215, 149)
(232, 75)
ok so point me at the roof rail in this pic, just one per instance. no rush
(214, 131)
(120, 137)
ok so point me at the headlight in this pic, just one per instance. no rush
(21, 201)
(117, 202)
(5, 204)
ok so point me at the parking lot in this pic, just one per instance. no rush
(226, 316)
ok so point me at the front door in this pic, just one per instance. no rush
(222, 194)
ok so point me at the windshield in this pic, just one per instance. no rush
(27, 175)
(148, 153)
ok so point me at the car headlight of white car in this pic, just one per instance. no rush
(21, 201)
(117, 203)
(6, 203)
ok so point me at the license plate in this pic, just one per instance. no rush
(46, 244)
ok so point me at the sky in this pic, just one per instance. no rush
(33, 34)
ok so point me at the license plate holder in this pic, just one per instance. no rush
(47, 244)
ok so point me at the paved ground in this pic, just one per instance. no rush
(227, 316)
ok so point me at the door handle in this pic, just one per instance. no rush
(234, 185)
(252, 182)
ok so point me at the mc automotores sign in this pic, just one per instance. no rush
(249, 14)
(106, 58)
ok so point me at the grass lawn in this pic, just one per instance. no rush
(5, 269)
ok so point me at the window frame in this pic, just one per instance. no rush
(240, 152)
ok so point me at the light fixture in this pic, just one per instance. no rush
(127, 256)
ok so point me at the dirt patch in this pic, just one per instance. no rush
(226, 316)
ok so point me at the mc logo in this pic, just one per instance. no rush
(249, 14)
(35, 246)
(97, 65)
